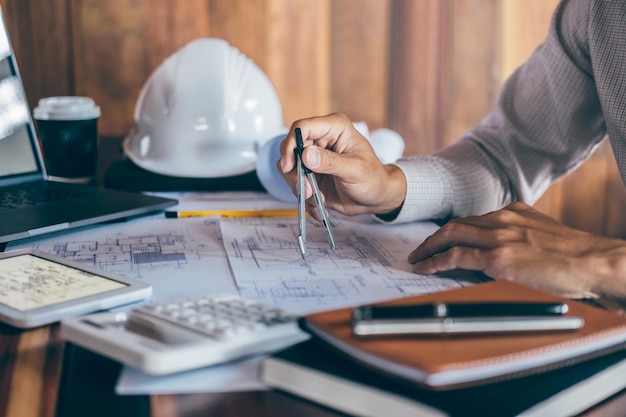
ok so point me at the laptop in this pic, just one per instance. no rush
(30, 203)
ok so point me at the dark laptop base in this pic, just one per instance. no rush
(88, 205)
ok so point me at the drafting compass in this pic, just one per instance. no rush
(303, 171)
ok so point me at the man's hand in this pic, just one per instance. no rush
(524, 245)
(350, 176)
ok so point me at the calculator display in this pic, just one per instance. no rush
(28, 282)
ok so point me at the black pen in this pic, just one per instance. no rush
(465, 309)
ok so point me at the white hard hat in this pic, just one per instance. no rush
(204, 113)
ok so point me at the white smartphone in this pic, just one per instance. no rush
(37, 289)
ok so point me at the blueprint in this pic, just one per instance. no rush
(179, 257)
(369, 264)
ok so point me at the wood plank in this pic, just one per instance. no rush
(111, 29)
(524, 26)
(584, 193)
(163, 406)
(242, 23)
(359, 51)
(52, 371)
(298, 55)
(41, 36)
(9, 340)
(28, 375)
(470, 67)
(416, 63)
(614, 200)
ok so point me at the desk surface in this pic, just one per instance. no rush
(33, 383)
(40, 376)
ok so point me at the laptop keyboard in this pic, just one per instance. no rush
(36, 195)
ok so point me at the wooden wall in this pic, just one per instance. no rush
(428, 69)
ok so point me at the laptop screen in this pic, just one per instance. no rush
(18, 152)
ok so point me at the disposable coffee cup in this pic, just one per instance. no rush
(68, 132)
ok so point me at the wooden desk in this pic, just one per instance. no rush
(33, 384)
(40, 376)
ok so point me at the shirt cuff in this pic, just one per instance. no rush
(428, 194)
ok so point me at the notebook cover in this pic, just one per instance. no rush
(313, 371)
(443, 362)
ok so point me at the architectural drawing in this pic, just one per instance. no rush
(370, 263)
(122, 251)
(179, 257)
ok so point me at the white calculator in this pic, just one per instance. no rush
(185, 334)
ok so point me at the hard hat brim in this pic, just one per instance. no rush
(196, 167)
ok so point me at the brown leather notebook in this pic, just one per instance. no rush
(444, 362)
